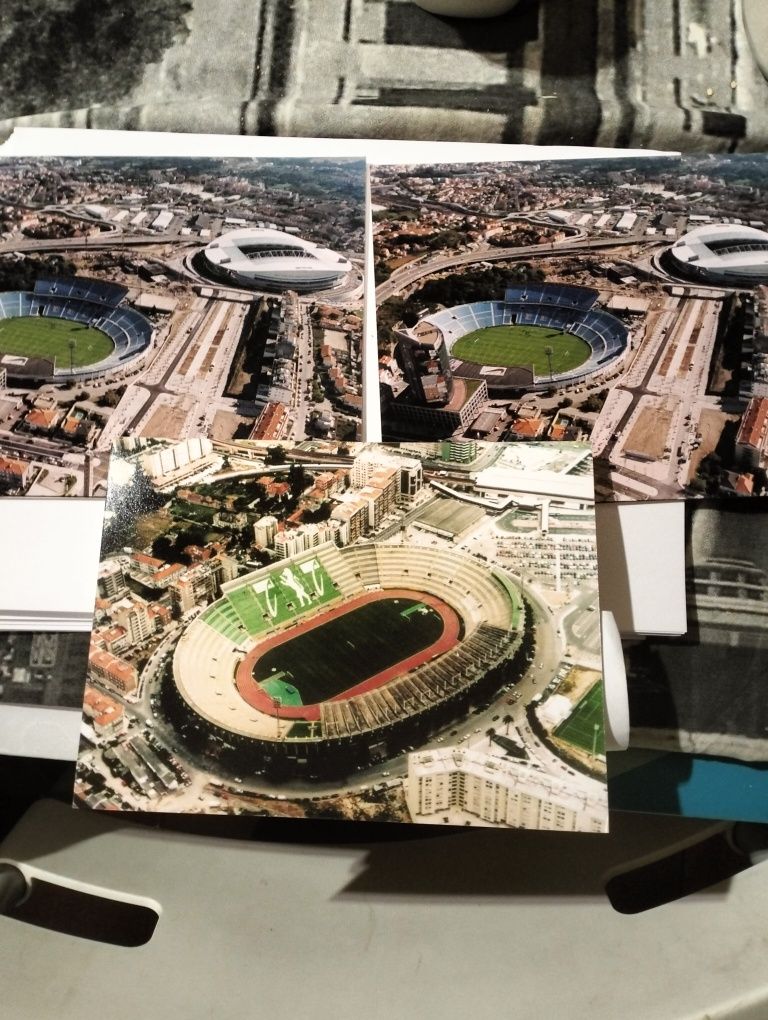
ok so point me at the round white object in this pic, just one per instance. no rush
(467, 8)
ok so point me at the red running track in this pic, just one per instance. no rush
(250, 691)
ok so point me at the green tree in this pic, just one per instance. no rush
(296, 479)
(275, 455)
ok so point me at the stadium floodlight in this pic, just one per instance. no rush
(549, 351)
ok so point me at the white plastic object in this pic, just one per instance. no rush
(641, 566)
(467, 8)
(456, 924)
(49, 550)
(614, 686)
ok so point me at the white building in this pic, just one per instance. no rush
(723, 253)
(264, 531)
(271, 258)
(452, 780)
(163, 220)
(309, 536)
(111, 581)
(410, 474)
(170, 465)
(132, 614)
(626, 222)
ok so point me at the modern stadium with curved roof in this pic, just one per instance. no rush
(731, 254)
(539, 336)
(274, 260)
(69, 329)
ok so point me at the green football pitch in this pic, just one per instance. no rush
(579, 728)
(32, 336)
(523, 346)
(330, 659)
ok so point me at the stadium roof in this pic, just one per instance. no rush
(540, 483)
(260, 256)
(721, 250)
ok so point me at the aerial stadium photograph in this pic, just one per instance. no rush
(159, 297)
(622, 301)
(354, 631)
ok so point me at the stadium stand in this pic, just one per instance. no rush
(487, 602)
(569, 309)
(92, 303)
(82, 289)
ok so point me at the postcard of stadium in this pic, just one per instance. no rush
(348, 631)
(159, 296)
(705, 692)
(620, 300)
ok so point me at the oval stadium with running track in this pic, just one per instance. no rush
(338, 658)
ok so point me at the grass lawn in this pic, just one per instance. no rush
(330, 659)
(579, 728)
(523, 346)
(33, 336)
(279, 687)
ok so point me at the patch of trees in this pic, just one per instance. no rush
(402, 215)
(111, 398)
(275, 455)
(594, 402)
(21, 275)
(476, 285)
(58, 54)
(172, 549)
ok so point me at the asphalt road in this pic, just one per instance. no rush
(410, 274)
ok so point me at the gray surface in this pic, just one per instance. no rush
(597, 72)
(471, 923)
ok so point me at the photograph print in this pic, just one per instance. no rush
(353, 631)
(43, 668)
(705, 692)
(620, 301)
(174, 297)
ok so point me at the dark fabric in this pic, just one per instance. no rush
(644, 73)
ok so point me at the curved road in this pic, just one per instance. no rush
(401, 279)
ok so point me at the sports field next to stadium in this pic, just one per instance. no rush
(46, 337)
(579, 728)
(523, 346)
(321, 663)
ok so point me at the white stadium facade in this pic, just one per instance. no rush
(729, 254)
(261, 257)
